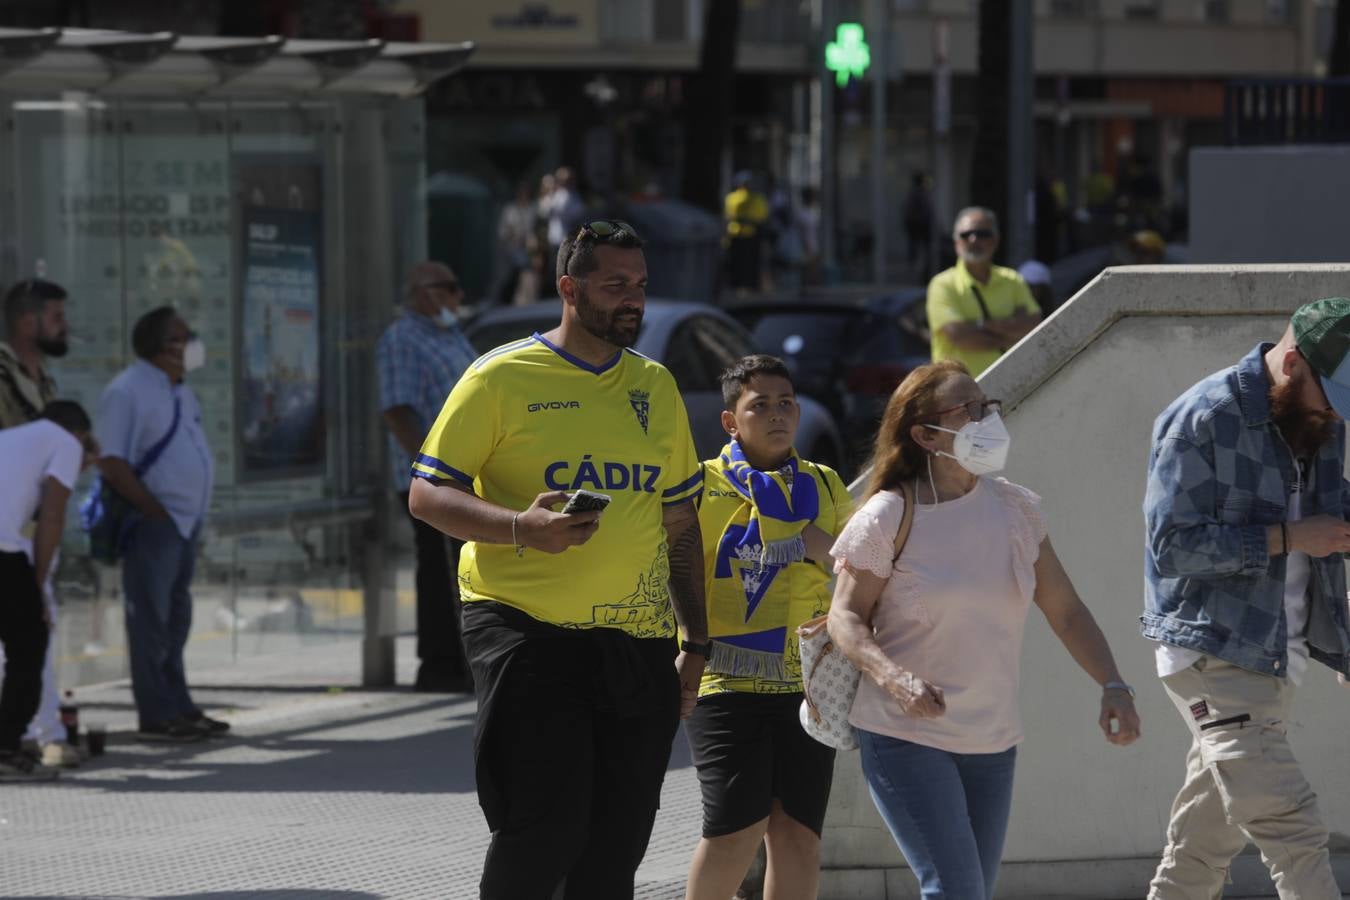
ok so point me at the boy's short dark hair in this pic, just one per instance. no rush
(68, 414)
(576, 254)
(739, 373)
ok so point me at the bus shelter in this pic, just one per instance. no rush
(272, 190)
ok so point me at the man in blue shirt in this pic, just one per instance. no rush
(420, 357)
(1245, 511)
(143, 406)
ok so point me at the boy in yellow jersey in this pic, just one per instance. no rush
(768, 519)
(570, 620)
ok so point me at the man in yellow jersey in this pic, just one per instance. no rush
(977, 310)
(586, 632)
(768, 519)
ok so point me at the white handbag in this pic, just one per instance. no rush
(829, 678)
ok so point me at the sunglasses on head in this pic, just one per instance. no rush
(606, 228)
(600, 230)
(971, 234)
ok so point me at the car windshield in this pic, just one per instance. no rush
(812, 337)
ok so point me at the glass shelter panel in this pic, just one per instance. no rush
(231, 211)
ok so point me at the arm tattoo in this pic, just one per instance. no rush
(686, 577)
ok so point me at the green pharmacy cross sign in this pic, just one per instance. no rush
(847, 55)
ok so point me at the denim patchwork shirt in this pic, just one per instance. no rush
(1219, 472)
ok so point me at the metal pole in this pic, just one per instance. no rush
(942, 142)
(822, 123)
(880, 76)
(1021, 150)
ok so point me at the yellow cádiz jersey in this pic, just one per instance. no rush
(527, 418)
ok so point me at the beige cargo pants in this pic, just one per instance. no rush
(1242, 784)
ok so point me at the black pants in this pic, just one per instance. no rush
(440, 646)
(24, 634)
(573, 739)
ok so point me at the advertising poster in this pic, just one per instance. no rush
(280, 398)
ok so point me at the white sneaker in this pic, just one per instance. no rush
(60, 755)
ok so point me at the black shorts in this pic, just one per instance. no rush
(750, 750)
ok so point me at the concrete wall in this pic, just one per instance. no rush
(1088, 818)
(1269, 204)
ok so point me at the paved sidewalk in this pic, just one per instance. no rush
(323, 790)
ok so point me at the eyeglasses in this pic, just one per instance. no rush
(450, 285)
(971, 234)
(601, 230)
(187, 338)
(975, 409)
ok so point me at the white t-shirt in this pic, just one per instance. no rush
(953, 610)
(1171, 659)
(32, 453)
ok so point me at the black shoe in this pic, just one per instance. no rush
(19, 766)
(207, 725)
(175, 731)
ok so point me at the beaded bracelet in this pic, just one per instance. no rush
(520, 548)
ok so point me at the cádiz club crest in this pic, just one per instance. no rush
(639, 401)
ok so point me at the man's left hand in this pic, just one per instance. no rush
(1118, 708)
(689, 667)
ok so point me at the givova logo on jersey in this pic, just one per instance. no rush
(601, 475)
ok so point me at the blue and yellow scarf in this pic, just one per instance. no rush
(751, 612)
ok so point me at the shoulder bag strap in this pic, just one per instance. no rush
(984, 310)
(906, 521)
(152, 456)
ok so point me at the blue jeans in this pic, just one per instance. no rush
(156, 577)
(948, 812)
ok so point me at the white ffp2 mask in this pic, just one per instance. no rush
(194, 355)
(981, 448)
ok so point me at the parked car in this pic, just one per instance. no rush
(848, 356)
(696, 342)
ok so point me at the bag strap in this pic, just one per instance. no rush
(984, 310)
(906, 520)
(901, 537)
(153, 454)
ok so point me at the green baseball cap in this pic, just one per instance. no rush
(1322, 333)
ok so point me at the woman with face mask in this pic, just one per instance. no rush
(937, 631)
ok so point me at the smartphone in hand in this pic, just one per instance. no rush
(586, 501)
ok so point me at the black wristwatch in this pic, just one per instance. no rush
(703, 650)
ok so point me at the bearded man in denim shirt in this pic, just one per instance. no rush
(1245, 512)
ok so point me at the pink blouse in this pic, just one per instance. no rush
(953, 609)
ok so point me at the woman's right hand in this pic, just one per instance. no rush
(916, 697)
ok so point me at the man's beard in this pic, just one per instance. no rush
(604, 325)
(53, 347)
(1304, 430)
